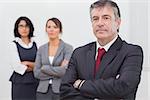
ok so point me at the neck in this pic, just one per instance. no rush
(26, 40)
(54, 42)
(106, 41)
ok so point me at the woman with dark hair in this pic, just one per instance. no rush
(23, 55)
(51, 62)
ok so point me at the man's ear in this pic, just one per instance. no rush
(118, 21)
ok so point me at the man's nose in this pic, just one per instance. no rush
(100, 22)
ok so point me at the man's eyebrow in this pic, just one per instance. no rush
(106, 15)
(94, 16)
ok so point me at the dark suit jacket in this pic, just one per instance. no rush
(117, 78)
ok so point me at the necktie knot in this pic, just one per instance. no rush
(100, 54)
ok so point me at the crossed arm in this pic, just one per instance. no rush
(57, 71)
(43, 71)
(113, 87)
(47, 71)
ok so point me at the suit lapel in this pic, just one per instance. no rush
(46, 53)
(61, 46)
(90, 60)
(109, 56)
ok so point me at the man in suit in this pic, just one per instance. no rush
(116, 74)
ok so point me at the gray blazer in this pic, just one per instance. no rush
(44, 71)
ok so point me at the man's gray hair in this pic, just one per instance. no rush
(103, 3)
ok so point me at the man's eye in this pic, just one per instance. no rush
(106, 18)
(94, 19)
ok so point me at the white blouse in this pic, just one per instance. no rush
(51, 58)
(15, 62)
(106, 47)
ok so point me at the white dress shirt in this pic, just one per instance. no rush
(106, 47)
(15, 62)
(51, 58)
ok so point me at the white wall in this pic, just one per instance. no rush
(149, 47)
(74, 15)
(139, 34)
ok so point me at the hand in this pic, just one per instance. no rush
(29, 69)
(24, 63)
(64, 62)
(29, 64)
(42, 69)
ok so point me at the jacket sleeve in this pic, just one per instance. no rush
(67, 53)
(37, 69)
(58, 71)
(67, 91)
(121, 86)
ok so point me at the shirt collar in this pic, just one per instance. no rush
(23, 44)
(107, 46)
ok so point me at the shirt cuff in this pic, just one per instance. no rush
(81, 83)
(21, 69)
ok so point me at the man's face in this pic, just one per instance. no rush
(104, 23)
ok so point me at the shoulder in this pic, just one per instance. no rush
(36, 42)
(12, 45)
(66, 45)
(85, 48)
(44, 46)
(129, 47)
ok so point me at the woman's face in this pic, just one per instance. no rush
(52, 30)
(23, 29)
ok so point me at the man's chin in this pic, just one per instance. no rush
(101, 35)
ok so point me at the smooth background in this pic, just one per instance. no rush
(77, 30)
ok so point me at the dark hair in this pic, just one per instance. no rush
(28, 23)
(102, 3)
(57, 22)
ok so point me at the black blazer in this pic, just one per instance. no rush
(117, 78)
